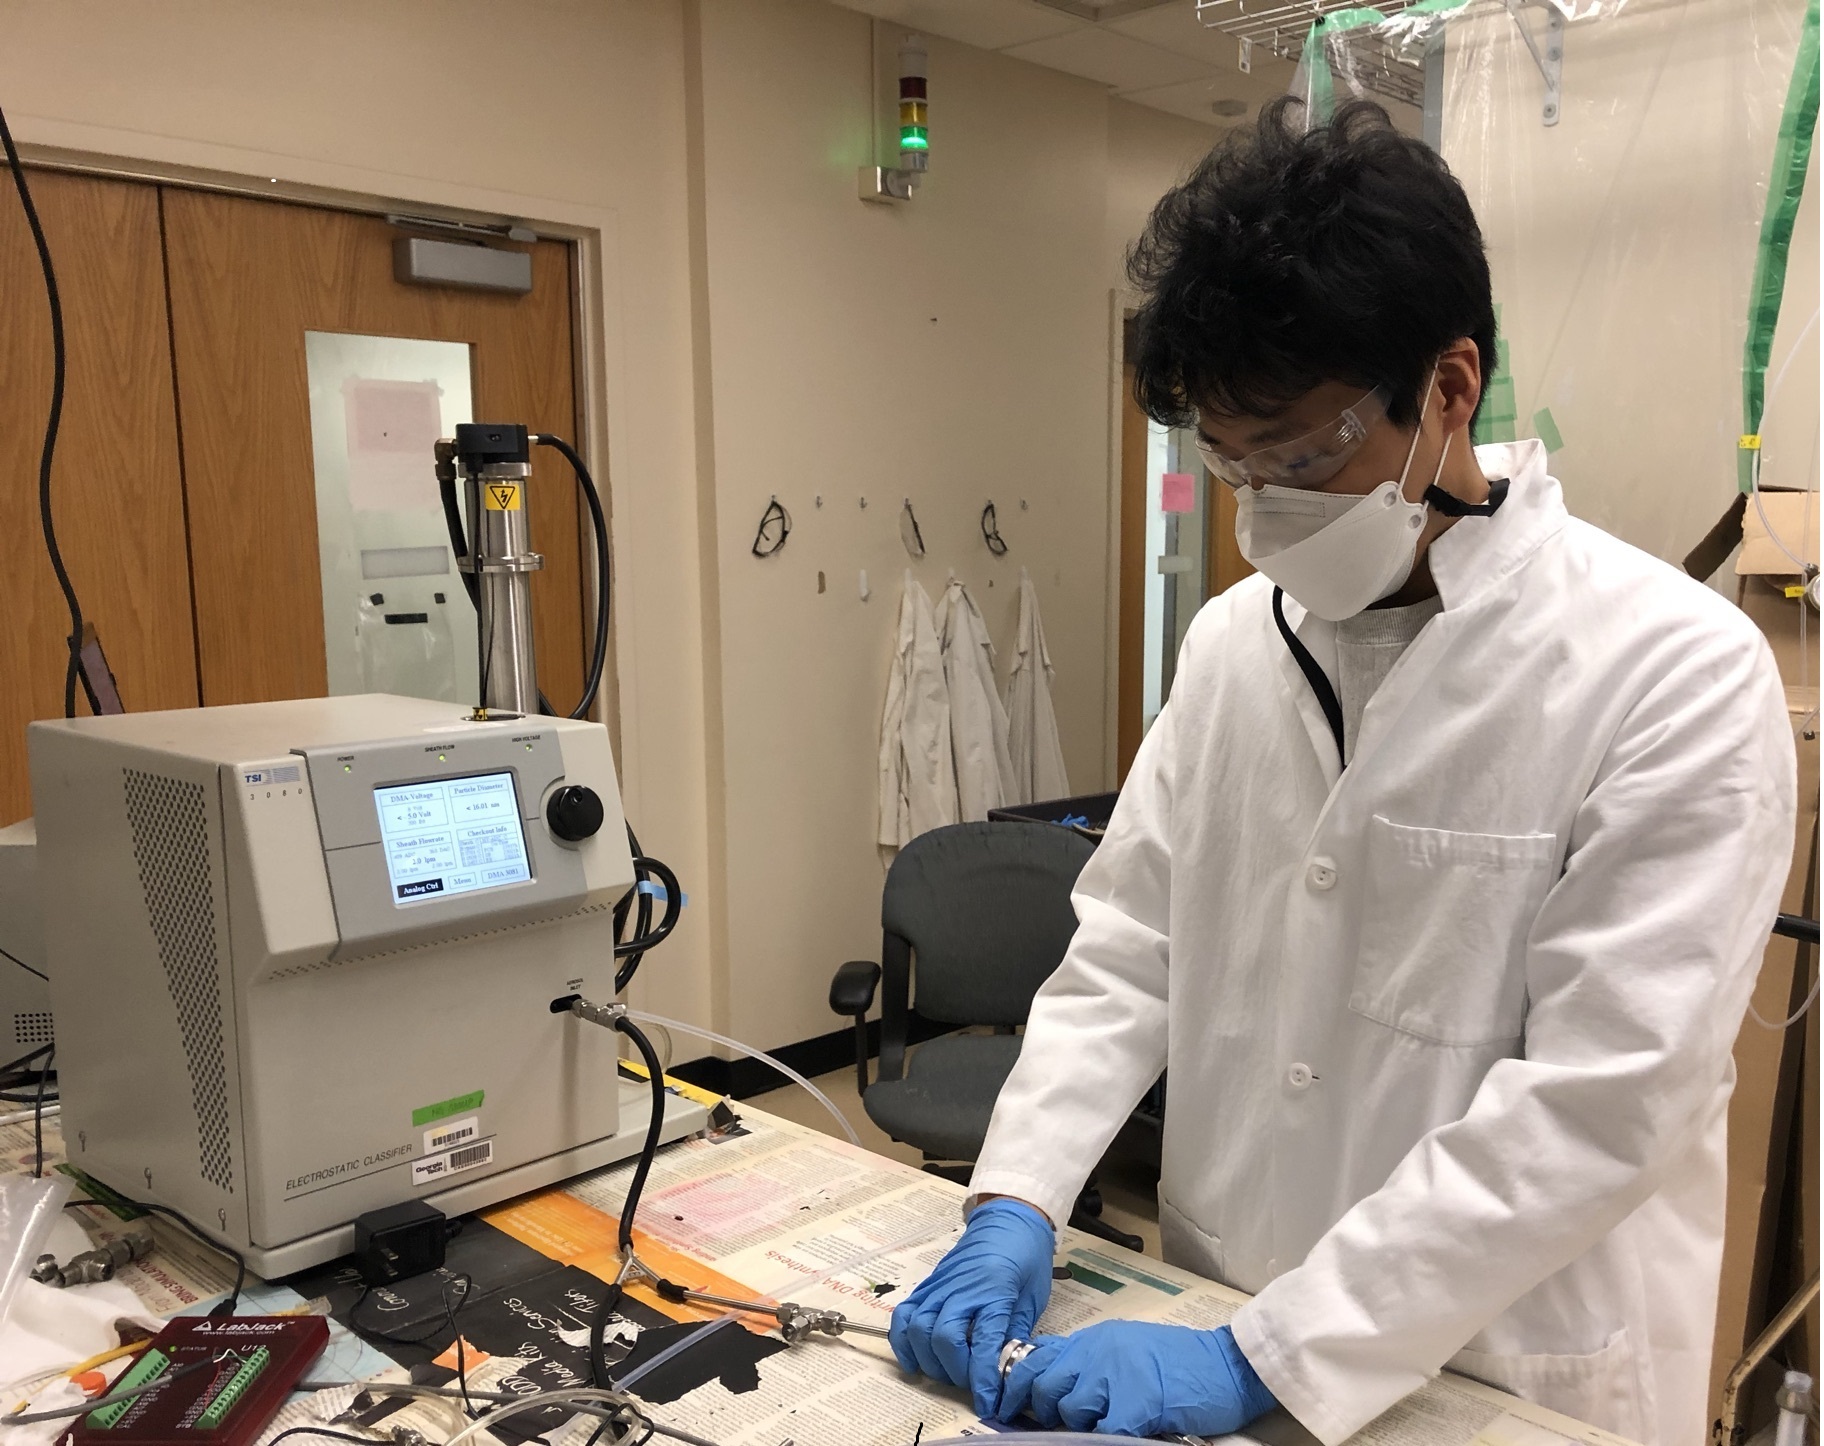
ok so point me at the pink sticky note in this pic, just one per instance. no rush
(1177, 492)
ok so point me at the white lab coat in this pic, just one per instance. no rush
(1032, 727)
(1450, 1036)
(917, 775)
(978, 722)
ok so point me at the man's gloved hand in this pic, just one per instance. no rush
(1129, 1377)
(992, 1286)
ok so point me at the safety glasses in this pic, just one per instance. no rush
(1307, 461)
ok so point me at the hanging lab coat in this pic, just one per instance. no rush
(1032, 728)
(978, 722)
(1449, 1032)
(917, 774)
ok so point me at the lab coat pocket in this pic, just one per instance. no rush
(1603, 1388)
(1444, 926)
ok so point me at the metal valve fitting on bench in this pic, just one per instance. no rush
(495, 462)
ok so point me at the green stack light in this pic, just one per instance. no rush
(914, 117)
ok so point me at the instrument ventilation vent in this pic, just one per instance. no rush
(171, 845)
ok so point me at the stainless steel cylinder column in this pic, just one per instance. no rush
(496, 468)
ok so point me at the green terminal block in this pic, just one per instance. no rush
(149, 1367)
(234, 1388)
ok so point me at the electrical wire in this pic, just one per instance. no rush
(15, 1418)
(598, 1347)
(321, 1431)
(38, 1117)
(598, 656)
(644, 869)
(638, 901)
(53, 421)
(449, 1316)
(409, 1388)
(4, 954)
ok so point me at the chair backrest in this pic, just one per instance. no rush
(985, 908)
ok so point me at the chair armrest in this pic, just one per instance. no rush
(852, 990)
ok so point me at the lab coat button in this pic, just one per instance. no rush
(1321, 874)
(1299, 1076)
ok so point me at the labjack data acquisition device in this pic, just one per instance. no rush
(303, 956)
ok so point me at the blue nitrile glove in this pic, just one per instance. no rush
(991, 1287)
(1127, 1377)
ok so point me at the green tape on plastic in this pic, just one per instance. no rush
(443, 1109)
(1785, 189)
(1546, 429)
(1321, 85)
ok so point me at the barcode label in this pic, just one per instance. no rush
(451, 1132)
(450, 1162)
(474, 1155)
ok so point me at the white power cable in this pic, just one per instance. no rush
(752, 1053)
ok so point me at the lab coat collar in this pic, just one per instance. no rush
(1477, 551)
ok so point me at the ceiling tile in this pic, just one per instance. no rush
(1198, 98)
(1177, 29)
(985, 24)
(1112, 58)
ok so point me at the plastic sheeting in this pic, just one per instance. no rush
(1624, 236)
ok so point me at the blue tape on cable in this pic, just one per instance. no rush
(651, 890)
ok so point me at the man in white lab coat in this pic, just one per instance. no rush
(1440, 883)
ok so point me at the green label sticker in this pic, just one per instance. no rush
(446, 1108)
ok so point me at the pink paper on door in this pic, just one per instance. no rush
(1177, 492)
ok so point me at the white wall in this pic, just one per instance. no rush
(764, 332)
(950, 350)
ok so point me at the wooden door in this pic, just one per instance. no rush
(117, 486)
(247, 279)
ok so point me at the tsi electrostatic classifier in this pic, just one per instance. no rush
(303, 955)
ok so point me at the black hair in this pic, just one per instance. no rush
(1291, 257)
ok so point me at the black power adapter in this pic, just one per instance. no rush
(400, 1241)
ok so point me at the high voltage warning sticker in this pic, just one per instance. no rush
(503, 496)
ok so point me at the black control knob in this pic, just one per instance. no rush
(574, 812)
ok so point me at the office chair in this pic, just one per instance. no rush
(984, 909)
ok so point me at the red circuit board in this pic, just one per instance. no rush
(227, 1377)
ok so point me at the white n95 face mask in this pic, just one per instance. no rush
(1335, 553)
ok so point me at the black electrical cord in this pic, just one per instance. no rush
(638, 902)
(449, 1315)
(598, 1349)
(637, 946)
(53, 421)
(14, 958)
(38, 1117)
(321, 1431)
(598, 656)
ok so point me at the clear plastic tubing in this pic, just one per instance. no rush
(752, 1053)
